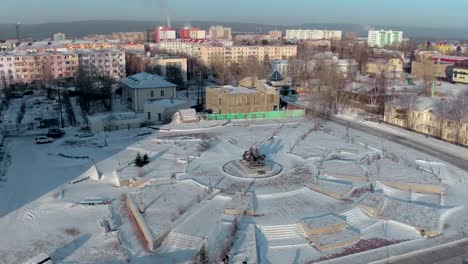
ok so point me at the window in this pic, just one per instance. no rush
(162, 93)
(152, 93)
(219, 101)
(149, 115)
(159, 117)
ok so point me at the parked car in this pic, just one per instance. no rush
(55, 133)
(44, 140)
(84, 135)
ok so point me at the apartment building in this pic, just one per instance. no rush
(109, 63)
(220, 32)
(89, 45)
(22, 67)
(213, 54)
(382, 38)
(164, 63)
(135, 37)
(312, 34)
(192, 33)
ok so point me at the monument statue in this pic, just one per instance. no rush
(252, 158)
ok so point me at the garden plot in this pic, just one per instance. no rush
(391, 171)
(346, 170)
(163, 204)
(418, 216)
(334, 189)
(323, 224)
(291, 207)
(342, 238)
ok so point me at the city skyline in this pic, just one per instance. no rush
(414, 13)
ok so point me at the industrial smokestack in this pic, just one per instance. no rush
(165, 8)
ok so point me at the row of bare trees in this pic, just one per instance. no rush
(233, 72)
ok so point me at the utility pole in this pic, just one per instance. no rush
(60, 107)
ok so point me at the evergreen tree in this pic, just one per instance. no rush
(203, 256)
(145, 159)
(139, 160)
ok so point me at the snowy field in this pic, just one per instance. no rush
(46, 199)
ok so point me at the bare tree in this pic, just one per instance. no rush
(442, 109)
(459, 114)
(428, 75)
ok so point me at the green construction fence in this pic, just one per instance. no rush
(257, 115)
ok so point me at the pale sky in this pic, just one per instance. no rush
(427, 13)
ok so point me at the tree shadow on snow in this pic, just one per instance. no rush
(63, 252)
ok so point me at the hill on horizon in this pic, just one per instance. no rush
(83, 28)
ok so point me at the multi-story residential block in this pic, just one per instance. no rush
(59, 37)
(22, 67)
(275, 35)
(164, 33)
(90, 45)
(213, 54)
(103, 63)
(220, 32)
(382, 38)
(134, 37)
(245, 98)
(311, 34)
(163, 63)
(192, 33)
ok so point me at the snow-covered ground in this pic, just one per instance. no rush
(185, 193)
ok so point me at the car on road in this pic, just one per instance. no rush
(55, 133)
(43, 140)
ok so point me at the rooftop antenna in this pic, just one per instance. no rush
(18, 31)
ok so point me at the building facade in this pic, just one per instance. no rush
(243, 98)
(43, 67)
(133, 37)
(312, 34)
(139, 88)
(59, 37)
(239, 54)
(220, 32)
(382, 38)
(103, 63)
(421, 114)
(460, 72)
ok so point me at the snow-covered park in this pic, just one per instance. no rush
(336, 195)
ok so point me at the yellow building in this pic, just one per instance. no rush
(460, 72)
(424, 115)
(445, 49)
(377, 65)
(245, 98)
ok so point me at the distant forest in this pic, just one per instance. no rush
(84, 28)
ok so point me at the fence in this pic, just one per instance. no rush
(257, 115)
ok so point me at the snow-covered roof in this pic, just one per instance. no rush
(229, 89)
(167, 102)
(145, 80)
